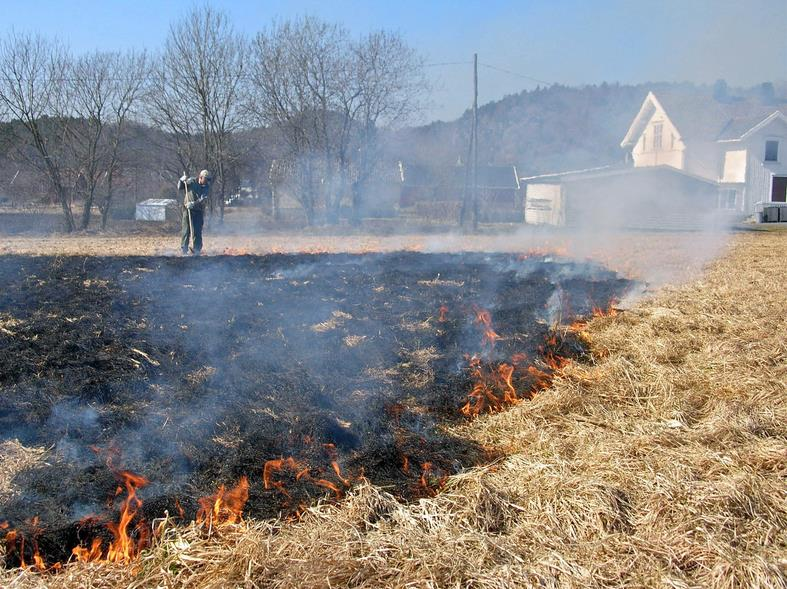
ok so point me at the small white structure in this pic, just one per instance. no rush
(545, 197)
(154, 209)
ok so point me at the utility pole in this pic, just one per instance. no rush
(470, 192)
(475, 141)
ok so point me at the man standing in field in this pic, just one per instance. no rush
(196, 195)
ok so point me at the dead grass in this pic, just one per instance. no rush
(665, 464)
(15, 458)
(200, 376)
(338, 318)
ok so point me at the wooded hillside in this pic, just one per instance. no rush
(552, 129)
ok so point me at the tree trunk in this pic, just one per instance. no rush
(63, 198)
(87, 210)
(107, 203)
(357, 192)
(222, 192)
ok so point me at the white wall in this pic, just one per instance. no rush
(544, 204)
(671, 152)
(734, 165)
(758, 171)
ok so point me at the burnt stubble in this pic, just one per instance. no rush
(196, 372)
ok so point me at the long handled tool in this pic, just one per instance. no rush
(188, 210)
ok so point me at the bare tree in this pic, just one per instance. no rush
(197, 90)
(391, 86)
(296, 72)
(327, 95)
(130, 76)
(32, 73)
(101, 90)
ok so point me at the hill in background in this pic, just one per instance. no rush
(552, 129)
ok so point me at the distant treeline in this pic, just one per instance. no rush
(77, 125)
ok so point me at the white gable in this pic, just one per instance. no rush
(651, 110)
(653, 138)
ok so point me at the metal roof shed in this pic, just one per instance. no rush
(155, 209)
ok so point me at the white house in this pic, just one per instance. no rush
(691, 160)
(741, 144)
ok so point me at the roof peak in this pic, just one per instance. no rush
(700, 116)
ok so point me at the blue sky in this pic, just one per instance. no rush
(565, 41)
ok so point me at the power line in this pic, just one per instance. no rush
(518, 75)
(448, 63)
(246, 77)
(160, 77)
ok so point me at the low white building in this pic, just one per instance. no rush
(155, 209)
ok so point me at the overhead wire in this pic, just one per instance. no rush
(518, 75)
(247, 76)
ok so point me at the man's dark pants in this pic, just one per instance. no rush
(185, 233)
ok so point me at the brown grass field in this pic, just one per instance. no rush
(661, 464)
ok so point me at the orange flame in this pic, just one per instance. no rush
(123, 548)
(541, 379)
(431, 479)
(328, 485)
(426, 468)
(181, 512)
(484, 319)
(83, 554)
(125, 545)
(493, 387)
(274, 466)
(492, 390)
(302, 473)
(15, 543)
(338, 471)
(609, 312)
(224, 507)
(518, 358)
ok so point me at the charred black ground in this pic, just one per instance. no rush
(195, 372)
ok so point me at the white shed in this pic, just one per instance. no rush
(154, 209)
(544, 204)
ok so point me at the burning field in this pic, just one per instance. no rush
(210, 390)
(291, 421)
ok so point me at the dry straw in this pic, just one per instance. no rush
(662, 465)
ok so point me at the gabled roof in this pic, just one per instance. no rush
(504, 177)
(608, 171)
(558, 176)
(738, 129)
(700, 117)
(641, 120)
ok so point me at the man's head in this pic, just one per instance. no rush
(204, 177)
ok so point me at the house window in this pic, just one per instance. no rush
(644, 142)
(657, 129)
(728, 199)
(771, 151)
(672, 141)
